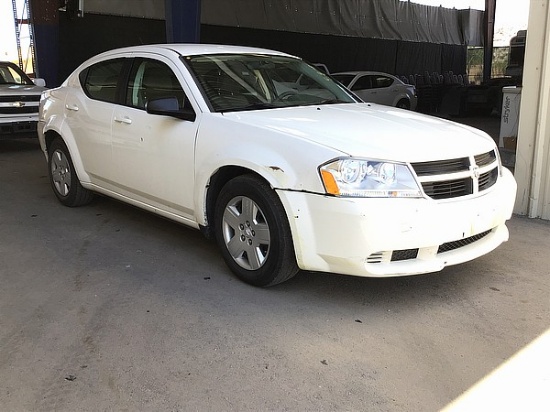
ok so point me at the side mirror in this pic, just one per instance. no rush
(169, 106)
(39, 82)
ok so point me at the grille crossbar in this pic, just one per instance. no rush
(433, 175)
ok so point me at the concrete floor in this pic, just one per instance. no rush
(108, 308)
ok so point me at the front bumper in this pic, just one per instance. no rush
(18, 128)
(359, 236)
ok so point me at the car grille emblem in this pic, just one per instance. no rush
(19, 104)
(475, 172)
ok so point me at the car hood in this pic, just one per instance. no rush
(370, 130)
(18, 90)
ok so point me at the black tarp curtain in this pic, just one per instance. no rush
(379, 19)
(388, 35)
(398, 37)
(342, 53)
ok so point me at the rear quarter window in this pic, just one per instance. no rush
(382, 81)
(100, 80)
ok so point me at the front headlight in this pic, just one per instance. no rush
(369, 178)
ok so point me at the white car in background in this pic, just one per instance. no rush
(19, 101)
(381, 88)
(276, 161)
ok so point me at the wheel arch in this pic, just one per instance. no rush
(50, 136)
(401, 98)
(215, 184)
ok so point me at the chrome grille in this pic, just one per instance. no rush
(9, 105)
(452, 178)
(20, 98)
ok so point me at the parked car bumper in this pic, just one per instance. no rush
(396, 237)
(19, 125)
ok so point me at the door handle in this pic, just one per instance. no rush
(124, 120)
(72, 107)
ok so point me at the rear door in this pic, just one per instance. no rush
(89, 117)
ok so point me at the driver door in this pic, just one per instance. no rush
(153, 154)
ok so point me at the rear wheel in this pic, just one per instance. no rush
(403, 104)
(63, 178)
(252, 232)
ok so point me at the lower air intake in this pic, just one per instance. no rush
(405, 254)
(447, 247)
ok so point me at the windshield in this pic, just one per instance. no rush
(236, 82)
(11, 74)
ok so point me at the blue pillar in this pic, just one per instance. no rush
(183, 21)
(45, 20)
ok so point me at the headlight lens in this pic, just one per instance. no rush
(369, 178)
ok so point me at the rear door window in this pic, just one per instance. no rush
(362, 83)
(100, 81)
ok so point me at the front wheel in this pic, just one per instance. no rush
(63, 178)
(253, 233)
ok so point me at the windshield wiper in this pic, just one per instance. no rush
(254, 106)
(331, 101)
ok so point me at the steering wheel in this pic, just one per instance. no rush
(285, 95)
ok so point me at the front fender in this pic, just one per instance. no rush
(285, 161)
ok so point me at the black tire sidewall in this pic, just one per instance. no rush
(281, 251)
(403, 104)
(59, 145)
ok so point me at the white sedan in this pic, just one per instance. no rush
(381, 88)
(276, 161)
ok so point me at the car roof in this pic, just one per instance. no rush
(6, 63)
(192, 49)
(362, 72)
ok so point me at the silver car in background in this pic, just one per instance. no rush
(378, 87)
(19, 101)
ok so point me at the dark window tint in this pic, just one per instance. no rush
(345, 79)
(101, 80)
(362, 83)
(11, 74)
(150, 80)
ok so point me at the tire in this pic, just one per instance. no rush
(253, 233)
(403, 104)
(63, 178)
